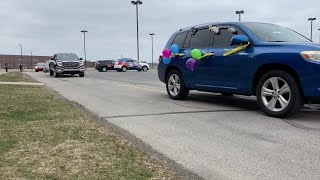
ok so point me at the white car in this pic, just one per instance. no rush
(123, 65)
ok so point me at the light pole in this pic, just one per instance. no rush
(319, 35)
(311, 19)
(152, 34)
(240, 12)
(137, 3)
(21, 55)
(84, 47)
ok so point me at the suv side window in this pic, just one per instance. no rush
(223, 39)
(180, 39)
(129, 61)
(201, 39)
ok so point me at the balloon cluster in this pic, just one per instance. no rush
(197, 55)
(168, 53)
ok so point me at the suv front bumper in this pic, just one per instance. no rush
(70, 71)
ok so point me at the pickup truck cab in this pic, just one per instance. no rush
(66, 63)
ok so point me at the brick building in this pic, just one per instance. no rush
(15, 60)
(28, 61)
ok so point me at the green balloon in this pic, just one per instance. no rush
(196, 54)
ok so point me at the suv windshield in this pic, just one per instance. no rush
(67, 57)
(275, 33)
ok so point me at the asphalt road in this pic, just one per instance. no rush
(213, 136)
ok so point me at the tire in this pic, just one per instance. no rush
(144, 68)
(280, 92)
(124, 69)
(56, 75)
(81, 75)
(51, 72)
(172, 89)
(104, 69)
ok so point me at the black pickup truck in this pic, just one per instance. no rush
(66, 63)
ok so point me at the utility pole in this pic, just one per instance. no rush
(84, 47)
(137, 3)
(152, 34)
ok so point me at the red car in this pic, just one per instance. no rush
(39, 67)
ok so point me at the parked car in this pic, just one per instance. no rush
(105, 65)
(39, 67)
(280, 66)
(125, 64)
(46, 68)
(66, 63)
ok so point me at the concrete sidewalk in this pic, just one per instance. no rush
(21, 83)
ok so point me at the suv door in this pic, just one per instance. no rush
(224, 73)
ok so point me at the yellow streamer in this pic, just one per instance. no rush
(236, 50)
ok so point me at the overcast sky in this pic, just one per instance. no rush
(49, 26)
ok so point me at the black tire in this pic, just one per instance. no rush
(104, 69)
(183, 93)
(144, 68)
(51, 72)
(294, 103)
(81, 75)
(124, 69)
(56, 75)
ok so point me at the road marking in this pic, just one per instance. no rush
(175, 113)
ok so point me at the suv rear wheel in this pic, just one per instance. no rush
(175, 86)
(278, 94)
(144, 68)
(124, 69)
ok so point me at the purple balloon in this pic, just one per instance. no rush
(192, 64)
(166, 53)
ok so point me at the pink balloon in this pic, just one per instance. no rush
(166, 53)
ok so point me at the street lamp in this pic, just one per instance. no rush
(311, 19)
(319, 35)
(240, 12)
(152, 34)
(84, 47)
(137, 3)
(21, 55)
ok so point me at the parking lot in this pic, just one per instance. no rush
(209, 134)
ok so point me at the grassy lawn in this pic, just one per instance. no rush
(44, 137)
(15, 77)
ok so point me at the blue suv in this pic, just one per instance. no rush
(277, 65)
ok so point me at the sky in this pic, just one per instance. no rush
(45, 27)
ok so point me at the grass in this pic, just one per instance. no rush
(14, 77)
(44, 137)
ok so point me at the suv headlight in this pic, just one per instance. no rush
(59, 63)
(311, 55)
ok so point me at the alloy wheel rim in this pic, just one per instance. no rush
(276, 94)
(174, 85)
(104, 69)
(144, 69)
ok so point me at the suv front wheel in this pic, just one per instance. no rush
(175, 86)
(278, 94)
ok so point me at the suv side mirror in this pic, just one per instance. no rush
(81, 59)
(239, 39)
(52, 59)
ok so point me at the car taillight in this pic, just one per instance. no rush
(160, 58)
